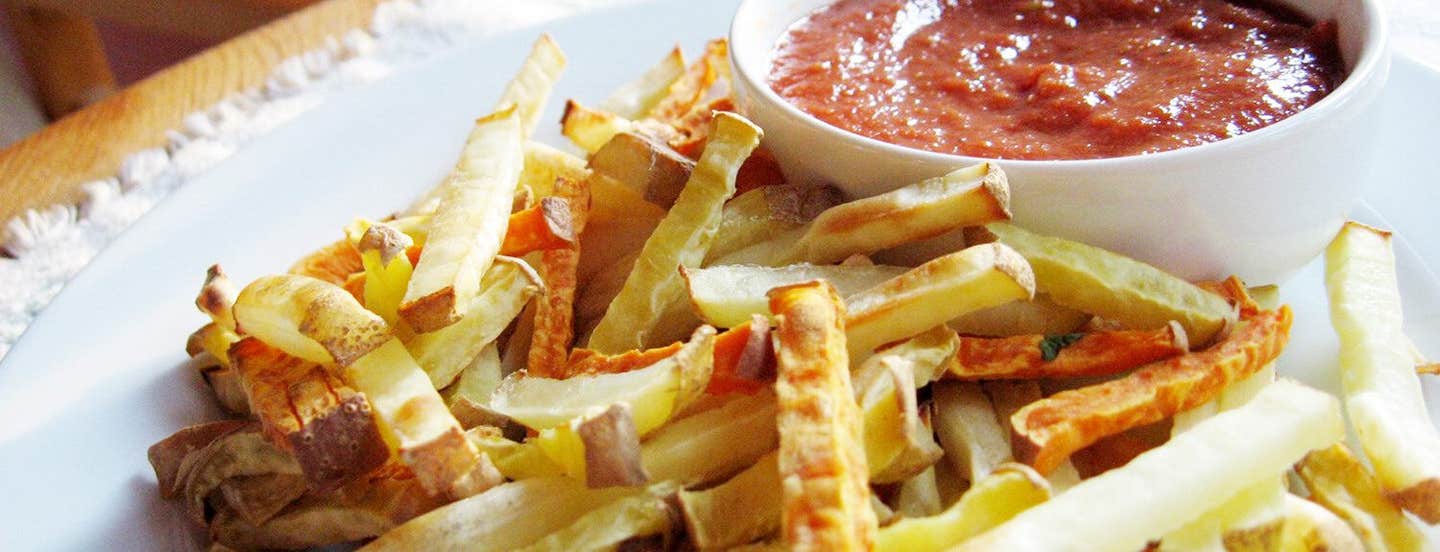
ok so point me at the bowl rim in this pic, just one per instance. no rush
(1374, 48)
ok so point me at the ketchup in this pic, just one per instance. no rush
(1053, 79)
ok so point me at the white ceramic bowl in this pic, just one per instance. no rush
(1259, 205)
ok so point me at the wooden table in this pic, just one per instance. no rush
(49, 166)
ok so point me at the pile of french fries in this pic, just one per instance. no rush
(660, 344)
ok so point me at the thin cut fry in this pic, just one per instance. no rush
(689, 89)
(935, 292)
(505, 290)
(744, 509)
(973, 195)
(992, 500)
(468, 226)
(1121, 510)
(728, 295)
(822, 459)
(1048, 431)
(531, 87)
(1115, 287)
(591, 128)
(713, 444)
(1067, 355)
(681, 239)
(1381, 390)
(554, 320)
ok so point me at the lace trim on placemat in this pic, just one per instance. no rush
(47, 247)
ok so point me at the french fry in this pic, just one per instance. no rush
(919, 496)
(1253, 518)
(505, 290)
(1008, 397)
(1340, 483)
(548, 225)
(1115, 287)
(591, 128)
(506, 517)
(761, 214)
(619, 223)
(1067, 355)
(1381, 390)
(514, 460)
(935, 292)
(544, 164)
(387, 269)
(1048, 431)
(656, 393)
(644, 164)
(530, 88)
(975, 444)
(1039, 315)
(554, 320)
(602, 447)
(681, 239)
(742, 510)
(217, 296)
(315, 321)
(897, 444)
(635, 516)
(468, 226)
(634, 99)
(299, 528)
(1309, 526)
(167, 455)
(325, 424)
(728, 295)
(713, 444)
(332, 263)
(257, 498)
(238, 453)
(992, 500)
(966, 197)
(822, 457)
(1192, 473)
(469, 397)
(689, 89)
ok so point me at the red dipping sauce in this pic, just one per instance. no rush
(1053, 79)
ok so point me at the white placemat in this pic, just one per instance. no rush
(49, 246)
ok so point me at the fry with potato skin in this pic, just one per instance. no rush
(1112, 286)
(555, 308)
(468, 226)
(1382, 392)
(681, 239)
(332, 263)
(547, 225)
(1048, 431)
(1339, 482)
(935, 292)
(530, 88)
(822, 460)
(1071, 355)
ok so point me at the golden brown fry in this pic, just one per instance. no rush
(1338, 481)
(689, 90)
(333, 263)
(554, 320)
(302, 408)
(1048, 431)
(647, 166)
(548, 225)
(1068, 355)
(822, 459)
(591, 128)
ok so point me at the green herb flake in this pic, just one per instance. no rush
(1051, 345)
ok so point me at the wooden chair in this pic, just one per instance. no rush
(61, 46)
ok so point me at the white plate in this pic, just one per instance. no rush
(102, 373)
